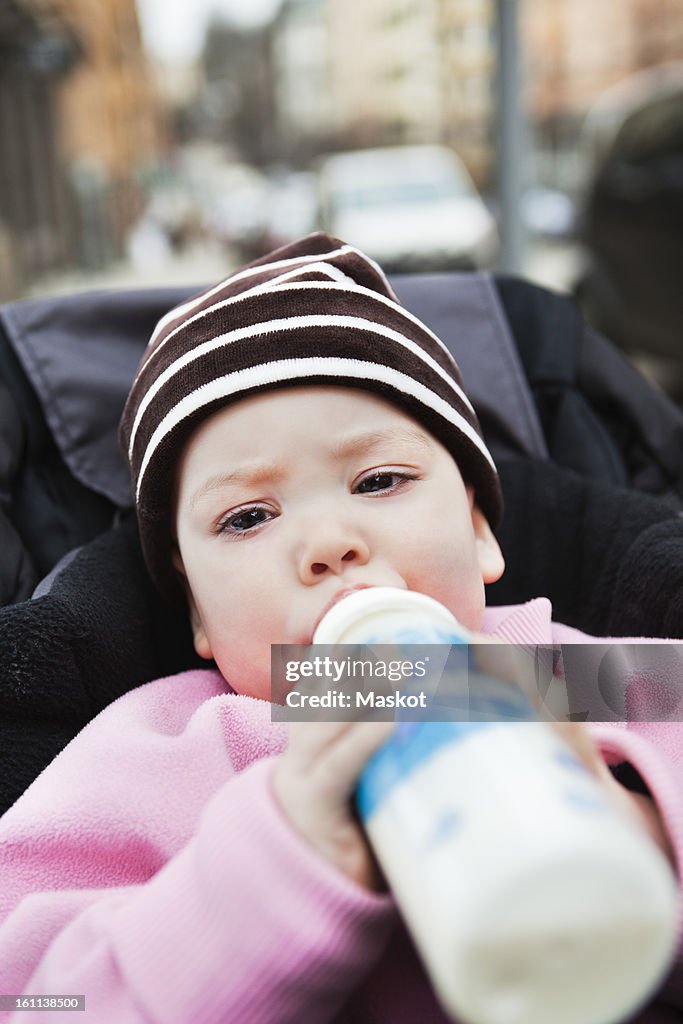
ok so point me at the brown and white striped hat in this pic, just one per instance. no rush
(317, 311)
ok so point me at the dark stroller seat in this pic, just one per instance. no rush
(590, 456)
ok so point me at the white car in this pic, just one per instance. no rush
(409, 207)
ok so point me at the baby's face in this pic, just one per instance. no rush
(287, 499)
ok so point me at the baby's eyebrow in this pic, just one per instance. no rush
(257, 474)
(249, 475)
(361, 444)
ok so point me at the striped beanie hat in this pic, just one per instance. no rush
(316, 311)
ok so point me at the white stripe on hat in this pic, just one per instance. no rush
(191, 304)
(378, 297)
(376, 267)
(333, 273)
(270, 373)
(289, 324)
(286, 281)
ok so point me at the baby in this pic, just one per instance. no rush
(293, 434)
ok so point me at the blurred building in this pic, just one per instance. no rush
(306, 118)
(110, 123)
(36, 52)
(408, 71)
(385, 72)
(578, 50)
(466, 31)
(236, 104)
(78, 127)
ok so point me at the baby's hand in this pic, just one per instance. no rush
(314, 781)
(638, 807)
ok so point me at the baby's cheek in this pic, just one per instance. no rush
(457, 583)
(443, 563)
(246, 669)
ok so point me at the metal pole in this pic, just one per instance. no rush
(511, 139)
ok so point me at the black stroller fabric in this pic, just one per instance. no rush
(579, 437)
(65, 367)
(100, 631)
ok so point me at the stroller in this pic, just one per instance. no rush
(590, 457)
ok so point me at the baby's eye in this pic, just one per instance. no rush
(241, 520)
(382, 480)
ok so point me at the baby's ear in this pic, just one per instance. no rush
(201, 640)
(489, 555)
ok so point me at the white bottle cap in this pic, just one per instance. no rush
(381, 612)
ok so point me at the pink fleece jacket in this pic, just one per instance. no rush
(150, 869)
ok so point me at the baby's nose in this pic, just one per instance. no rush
(331, 550)
(318, 568)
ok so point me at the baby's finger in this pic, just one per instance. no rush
(347, 757)
(311, 739)
(577, 736)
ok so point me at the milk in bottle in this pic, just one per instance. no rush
(530, 899)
